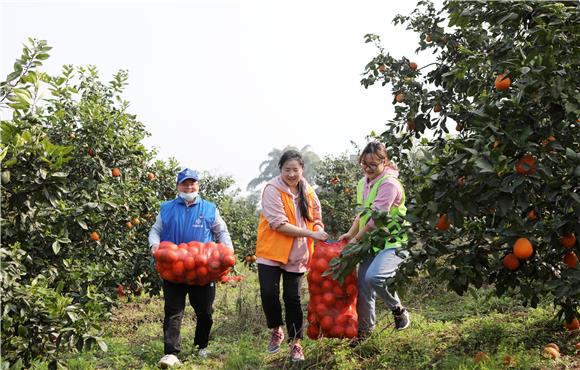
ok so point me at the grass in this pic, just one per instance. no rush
(447, 331)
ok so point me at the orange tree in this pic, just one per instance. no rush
(505, 76)
(79, 193)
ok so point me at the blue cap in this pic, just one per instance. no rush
(185, 174)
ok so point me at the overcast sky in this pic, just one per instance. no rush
(220, 83)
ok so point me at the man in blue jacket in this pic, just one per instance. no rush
(187, 217)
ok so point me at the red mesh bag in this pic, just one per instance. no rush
(332, 306)
(193, 263)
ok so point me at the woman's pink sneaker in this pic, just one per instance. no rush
(276, 340)
(296, 353)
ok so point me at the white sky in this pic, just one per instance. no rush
(220, 83)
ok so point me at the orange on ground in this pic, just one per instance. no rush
(502, 83)
(510, 361)
(129, 225)
(571, 260)
(116, 172)
(572, 325)
(553, 345)
(532, 215)
(550, 352)
(523, 249)
(568, 240)
(480, 357)
(510, 262)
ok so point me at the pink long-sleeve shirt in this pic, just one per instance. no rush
(390, 192)
(273, 211)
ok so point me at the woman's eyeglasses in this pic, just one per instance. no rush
(371, 166)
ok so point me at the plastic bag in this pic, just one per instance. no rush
(332, 306)
(193, 263)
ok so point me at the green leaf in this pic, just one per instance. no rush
(102, 345)
(55, 247)
(484, 165)
(83, 224)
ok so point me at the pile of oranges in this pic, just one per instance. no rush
(193, 263)
(332, 306)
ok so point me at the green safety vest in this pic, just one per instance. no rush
(397, 238)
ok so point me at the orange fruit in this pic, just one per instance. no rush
(382, 68)
(480, 357)
(400, 97)
(502, 83)
(95, 236)
(526, 165)
(313, 332)
(136, 221)
(251, 258)
(411, 125)
(129, 225)
(510, 262)
(150, 176)
(116, 172)
(510, 361)
(437, 108)
(532, 215)
(571, 260)
(568, 240)
(428, 38)
(496, 144)
(459, 127)
(443, 222)
(413, 66)
(461, 182)
(572, 325)
(523, 249)
(120, 290)
(91, 152)
(550, 352)
(553, 345)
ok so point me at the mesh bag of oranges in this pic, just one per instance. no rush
(332, 306)
(193, 263)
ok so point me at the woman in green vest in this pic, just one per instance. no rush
(380, 190)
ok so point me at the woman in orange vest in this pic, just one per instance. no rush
(289, 223)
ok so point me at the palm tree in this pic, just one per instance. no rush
(269, 167)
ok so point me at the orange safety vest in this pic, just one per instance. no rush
(276, 246)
